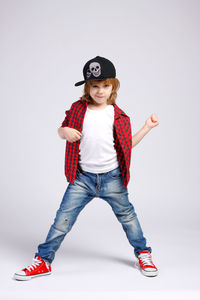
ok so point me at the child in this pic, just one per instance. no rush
(97, 160)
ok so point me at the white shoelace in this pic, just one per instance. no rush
(36, 263)
(146, 259)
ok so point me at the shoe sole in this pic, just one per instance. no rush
(25, 277)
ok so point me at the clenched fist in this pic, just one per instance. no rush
(70, 134)
(152, 121)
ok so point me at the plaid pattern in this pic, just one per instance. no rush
(122, 138)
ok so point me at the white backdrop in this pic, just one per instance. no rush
(155, 48)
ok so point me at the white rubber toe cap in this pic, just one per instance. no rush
(21, 275)
(149, 272)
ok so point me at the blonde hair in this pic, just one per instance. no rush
(115, 86)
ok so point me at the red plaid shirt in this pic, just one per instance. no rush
(122, 139)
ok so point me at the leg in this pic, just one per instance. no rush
(117, 197)
(74, 200)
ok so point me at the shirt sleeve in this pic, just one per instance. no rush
(66, 120)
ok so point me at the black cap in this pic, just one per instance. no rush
(97, 68)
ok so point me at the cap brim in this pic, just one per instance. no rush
(92, 79)
(80, 82)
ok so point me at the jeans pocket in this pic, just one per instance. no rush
(79, 172)
(115, 173)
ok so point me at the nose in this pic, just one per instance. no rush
(100, 91)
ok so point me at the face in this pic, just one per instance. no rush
(100, 92)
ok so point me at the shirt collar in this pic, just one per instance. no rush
(118, 111)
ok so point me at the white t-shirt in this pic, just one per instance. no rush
(96, 150)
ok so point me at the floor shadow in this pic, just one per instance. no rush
(73, 253)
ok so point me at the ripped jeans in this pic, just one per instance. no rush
(108, 186)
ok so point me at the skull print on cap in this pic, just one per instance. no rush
(97, 68)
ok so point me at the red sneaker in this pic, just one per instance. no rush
(147, 267)
(38, 268)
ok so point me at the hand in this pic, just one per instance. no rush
(152, 121)
(71, 134)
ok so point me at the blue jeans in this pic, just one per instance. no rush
(107, 186)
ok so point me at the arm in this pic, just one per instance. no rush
(62, 130)
(67, 133)
(139, 135)
(151, 122)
